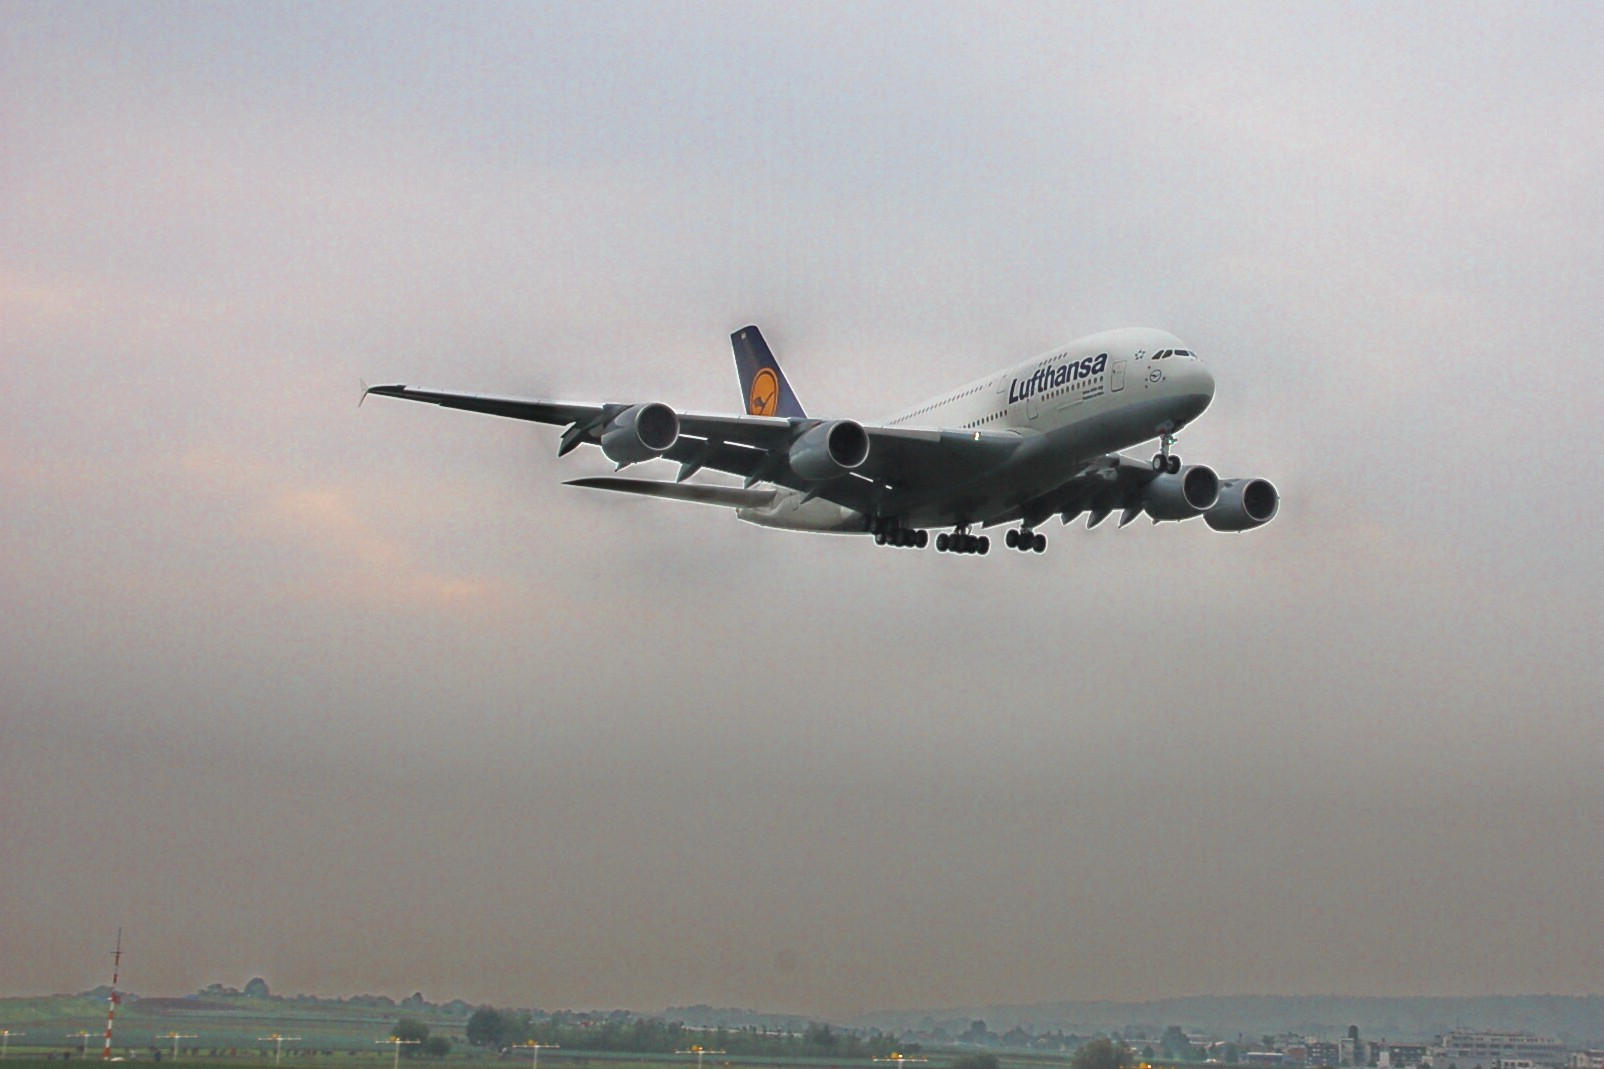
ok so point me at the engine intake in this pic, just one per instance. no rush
(1244, 504)
(830, 450)
(640, 433)
(1190, 492)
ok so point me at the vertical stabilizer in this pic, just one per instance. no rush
(764, 391)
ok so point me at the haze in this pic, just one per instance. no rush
(365, 700)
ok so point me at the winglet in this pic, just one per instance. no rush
(764, 391)
(364, 396)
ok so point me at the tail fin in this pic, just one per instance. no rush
(764, 391)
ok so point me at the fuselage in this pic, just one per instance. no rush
(1068, 406)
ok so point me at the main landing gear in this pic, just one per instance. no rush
(961, 541)
(891, 533)
(1026, 541)
(1163, 460)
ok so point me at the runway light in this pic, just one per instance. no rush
(278, 1042)
(534, 1061)
(699, 1050)
(398, 1043)
(175, 1037)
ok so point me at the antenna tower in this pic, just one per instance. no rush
(114, 998)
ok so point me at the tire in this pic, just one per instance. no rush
(1012, 538)
(922, 539)
(984, 547)
(941, 543)
(1175, 465)
(1159, 464)
(1039, 543)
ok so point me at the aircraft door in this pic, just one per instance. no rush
(1116, 377)
(1033, 405)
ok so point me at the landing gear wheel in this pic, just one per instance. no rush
(941, 543)
(1039, 543)
(984, 546)
(1162, 460)
(1011, 539)
(921, 539)
(879, 538)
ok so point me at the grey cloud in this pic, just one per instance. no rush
(634, 754)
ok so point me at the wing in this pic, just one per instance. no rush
(757, 448)
(703, 494)
(1110, 483)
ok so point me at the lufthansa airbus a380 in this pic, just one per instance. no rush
(1018, 447)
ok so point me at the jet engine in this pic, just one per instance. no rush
(1244, 504)
(830, 450)
(1190, 492)
(640, 433)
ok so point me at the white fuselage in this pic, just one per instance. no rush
(1070, 405)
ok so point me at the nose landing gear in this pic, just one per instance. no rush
(1163, 460)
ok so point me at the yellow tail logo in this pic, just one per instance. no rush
(764, 400)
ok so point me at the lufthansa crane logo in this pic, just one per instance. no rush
(764, 399)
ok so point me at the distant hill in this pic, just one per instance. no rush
(704, 1016)
(1578, 1021)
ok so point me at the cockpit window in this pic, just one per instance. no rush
(1162, 355)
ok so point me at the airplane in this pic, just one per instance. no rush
(1019, 446)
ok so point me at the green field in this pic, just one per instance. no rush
(234, 1025)
(305, 1058)
(226, 1031)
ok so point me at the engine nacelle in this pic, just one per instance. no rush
(830, 450)
(640, 433)
(1244, 504)
(1190, 492)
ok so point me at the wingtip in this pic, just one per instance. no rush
(396, 390)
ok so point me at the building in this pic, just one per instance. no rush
(1398, 1055)
(1493, 1050)
(1324, 1052)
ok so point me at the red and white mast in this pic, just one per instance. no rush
(111, 1002)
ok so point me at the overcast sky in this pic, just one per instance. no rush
(366, 700)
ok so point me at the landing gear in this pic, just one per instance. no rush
(1164, 460)
(961, 541)
(888, 532)
(1026, 541)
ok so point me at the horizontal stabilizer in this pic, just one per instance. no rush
(733, 497)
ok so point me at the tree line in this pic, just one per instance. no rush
(500, 1029)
